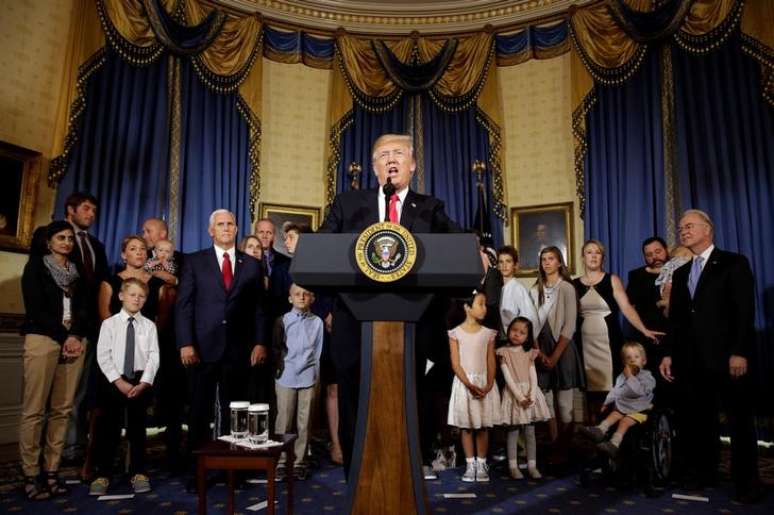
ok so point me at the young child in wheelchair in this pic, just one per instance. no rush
(631, 396)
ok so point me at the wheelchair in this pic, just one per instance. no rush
(645, 457)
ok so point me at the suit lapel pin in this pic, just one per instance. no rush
(413, 205)
(239, 261)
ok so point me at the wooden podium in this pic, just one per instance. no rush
(386, 472)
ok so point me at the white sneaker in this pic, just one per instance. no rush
(428, 472)
(482, 472)
(439, 463)
(470, 473)
(534, 473)
(516, 473)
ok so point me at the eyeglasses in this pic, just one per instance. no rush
(689, 227)
(384, 156)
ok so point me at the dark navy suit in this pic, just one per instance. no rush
(704, 332)
(223, 326)
(351, 212)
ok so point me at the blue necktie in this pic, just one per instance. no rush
(693, 278)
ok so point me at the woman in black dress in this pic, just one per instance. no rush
(601, 297)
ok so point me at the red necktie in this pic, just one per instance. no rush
(228, 272)
(394, 208)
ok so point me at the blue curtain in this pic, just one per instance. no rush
(452, 142)
(122, 152)
(214, 163)
(725, 144)
(624, 167)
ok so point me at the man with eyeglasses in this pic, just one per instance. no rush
(708, 345)
(353, 211)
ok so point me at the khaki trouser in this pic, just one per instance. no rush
(46, 382)
(294, 405)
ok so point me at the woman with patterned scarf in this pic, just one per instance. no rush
(53, 326)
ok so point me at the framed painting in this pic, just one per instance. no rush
(537, 227)
(280, 214)
(20, 172)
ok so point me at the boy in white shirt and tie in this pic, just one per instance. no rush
(128, 357)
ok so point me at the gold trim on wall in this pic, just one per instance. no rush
(266, 210)
(565, 210)
(19, 240)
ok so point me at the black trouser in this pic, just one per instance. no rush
(108, 429)
(204, 379)
(170, 388)
(702, 396)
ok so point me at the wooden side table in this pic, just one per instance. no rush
(219, 455)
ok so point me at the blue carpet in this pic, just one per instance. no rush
(325, 493)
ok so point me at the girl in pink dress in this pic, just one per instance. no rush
(474, 403)
(523, 401)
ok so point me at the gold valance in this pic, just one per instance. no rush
(609, 54)
(459, 85)
(236, 45)
(129, 19)
(467, 68)
(706, 15)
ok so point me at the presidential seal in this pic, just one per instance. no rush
(385, 252)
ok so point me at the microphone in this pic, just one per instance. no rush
(389, 190)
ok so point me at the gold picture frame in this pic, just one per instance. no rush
(281, 213)
(20, 170)
(536, 227)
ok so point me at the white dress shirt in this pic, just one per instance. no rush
(383, 209)
(516, 302)
(231, 254)
(111, 346)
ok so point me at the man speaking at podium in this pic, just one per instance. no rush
(353, 211)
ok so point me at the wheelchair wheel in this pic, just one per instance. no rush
(661, 447)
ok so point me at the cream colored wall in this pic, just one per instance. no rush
(294, 134)
(538, 136)
(33, 39)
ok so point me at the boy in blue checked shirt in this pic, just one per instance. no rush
(297, 343)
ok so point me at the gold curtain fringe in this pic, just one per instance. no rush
(175, 111)
(334, 159)
(701, 43)
(581, 147)
(765, 57)
(495, 150)
(669, 142)
(253, 151)
(58, 165)
(614, 75)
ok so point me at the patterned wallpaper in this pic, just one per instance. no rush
(33, 39)
(294, 134)
(538, 137)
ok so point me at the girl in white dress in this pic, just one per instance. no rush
(523, 401)
(474, 403)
